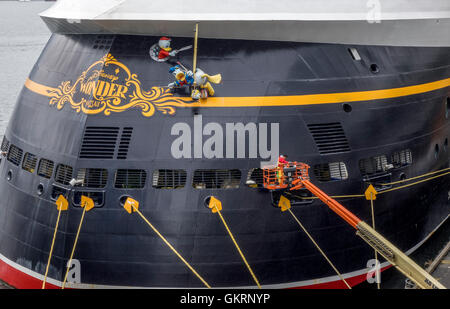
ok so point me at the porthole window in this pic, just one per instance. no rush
(40, 189)
(374, 68)
(347, 108)
(123, 199)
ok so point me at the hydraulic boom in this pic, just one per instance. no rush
(294, 176)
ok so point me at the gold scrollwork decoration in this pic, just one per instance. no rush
(97, 93)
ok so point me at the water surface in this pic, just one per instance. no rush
(23, 35)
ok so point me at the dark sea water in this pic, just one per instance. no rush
(22, 37)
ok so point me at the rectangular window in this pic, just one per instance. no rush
(169, 179)
(216, 179)
(373, 165)
(331, 171)
(45, 168)
(15, 155)
(57, 191)
(64, 174)
(296, 197)
(93, 177)
(130, 179)
(29, 162)
(255, 178)
(402, 158)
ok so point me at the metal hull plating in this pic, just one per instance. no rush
(259, 81)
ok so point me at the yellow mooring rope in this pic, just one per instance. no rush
(239, 249)
(172, 248)
(373, 226)
(386, 184)
(318, 248)
(412, 184)
(73, 249)
(416, 177)
(51, 248)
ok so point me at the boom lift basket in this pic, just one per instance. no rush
(281, 177)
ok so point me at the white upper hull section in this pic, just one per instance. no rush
(367, 22)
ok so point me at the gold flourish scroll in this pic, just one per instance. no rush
(92, 102)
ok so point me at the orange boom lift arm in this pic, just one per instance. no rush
(294, 176)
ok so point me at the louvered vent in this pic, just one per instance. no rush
(45, 168)
(64, 174)
(373, 165)
(329, 137)
(99, 142)
(255, 178)
(15, 155)
(331, 171)
(93, 177)
(169, 179)
(29, 162)
(130, 179)
(216, 179)
(5, 144)
(124, 143)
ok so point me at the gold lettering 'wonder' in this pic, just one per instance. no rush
(97, 91)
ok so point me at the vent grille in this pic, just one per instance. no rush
(93, 177)
(255, 178)
(99, 143)
(331, 171)
(103, 42)
(373, 165)
(64, 174)
(15, 155)
(29, 162)
(124, 143)
(216, 179)
(402, 158)
(5, 144)
(45, 168)
(329, 137)
(169, 179)
(130, 179)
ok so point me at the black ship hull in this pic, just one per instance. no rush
(96, 107)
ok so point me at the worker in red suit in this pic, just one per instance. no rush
(282, 160)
